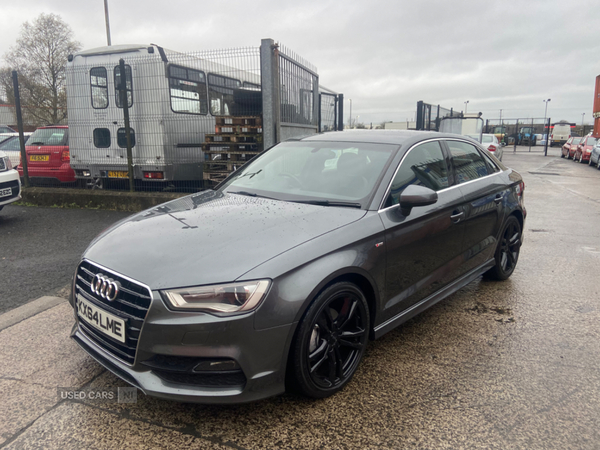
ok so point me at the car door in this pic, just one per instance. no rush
(484, 191)
(423, 247)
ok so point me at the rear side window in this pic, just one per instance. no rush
(424, 165)
(102, 137)
(128, 86)
(122, 137)
(99, 85)
(187, 88)
(468, 162)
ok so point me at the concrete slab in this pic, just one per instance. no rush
(28, 310)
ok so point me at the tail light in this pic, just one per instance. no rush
(520, 189)
(492, 148)
(154, 175)
(65, 156)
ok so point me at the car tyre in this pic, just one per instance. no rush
(330, 341)
(507, 251)
(562, 155)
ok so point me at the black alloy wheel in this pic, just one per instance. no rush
(331, 340)
(507, 252)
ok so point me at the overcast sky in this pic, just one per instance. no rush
(384, 55)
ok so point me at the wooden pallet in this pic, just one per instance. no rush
(235, 157)
(222, 165)
(254, 121)
(237, 129)
(215, 177)
(237, 138)
(226, 147)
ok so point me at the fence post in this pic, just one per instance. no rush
(340, 117)
(125, 105)
(269, 75)
(531, 134)
(20, 128)
(319, 116)
(516, 136)
(547, 137)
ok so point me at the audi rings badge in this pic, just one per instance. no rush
(105, 287)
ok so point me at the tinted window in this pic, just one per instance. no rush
(49, 136)
(102, 137)
(468, 162)
(99, 84)
(188, 90)
(424, 165)
(122, 137)
(129, 86)
(220, 93)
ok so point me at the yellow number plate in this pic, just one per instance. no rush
(114, 174)
(39, 157)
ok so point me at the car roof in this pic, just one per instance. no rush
(397, 137)
(53, 126)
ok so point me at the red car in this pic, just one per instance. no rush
(48, 158)
(566, 148)
(584, 149)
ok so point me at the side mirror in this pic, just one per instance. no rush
(414, 196)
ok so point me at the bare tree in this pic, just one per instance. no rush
(39, 57)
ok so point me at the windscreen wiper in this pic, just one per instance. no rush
(250, 194)
(329, 203)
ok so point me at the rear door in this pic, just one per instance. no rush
(484, 192)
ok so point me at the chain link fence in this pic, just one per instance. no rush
(149, 118)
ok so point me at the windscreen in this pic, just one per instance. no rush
(307, 170)
(49, 136)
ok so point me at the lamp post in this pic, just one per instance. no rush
(107, 22)
(466, 103)
(545, 115)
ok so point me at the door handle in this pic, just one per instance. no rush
(498, 198)
(457, 216)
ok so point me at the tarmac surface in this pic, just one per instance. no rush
(498, 365)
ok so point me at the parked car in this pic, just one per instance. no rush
(12, 147)
(571, 144)
(561, 132)
(10, 184)
(48, 157)
(491, 143)
(286, 269)
(595, 155)
(584, 149)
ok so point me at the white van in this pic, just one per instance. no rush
(561, 132)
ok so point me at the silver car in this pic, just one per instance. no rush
(490, 142)
(595, 155)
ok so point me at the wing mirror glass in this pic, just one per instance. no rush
(414, 196)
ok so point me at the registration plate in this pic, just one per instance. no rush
(5, 192)
(39, 157)
(104, 322)
(115, 174)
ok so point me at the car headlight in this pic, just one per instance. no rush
(7, 163)
(222, 298)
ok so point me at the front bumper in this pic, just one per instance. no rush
(171, 344)
(10, 179)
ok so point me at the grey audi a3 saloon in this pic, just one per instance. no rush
(279, 276)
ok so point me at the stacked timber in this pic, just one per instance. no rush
(235, 142)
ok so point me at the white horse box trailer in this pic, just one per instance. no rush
(172, 98)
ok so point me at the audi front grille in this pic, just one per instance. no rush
(131, 304)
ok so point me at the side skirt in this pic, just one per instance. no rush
(417, 308)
